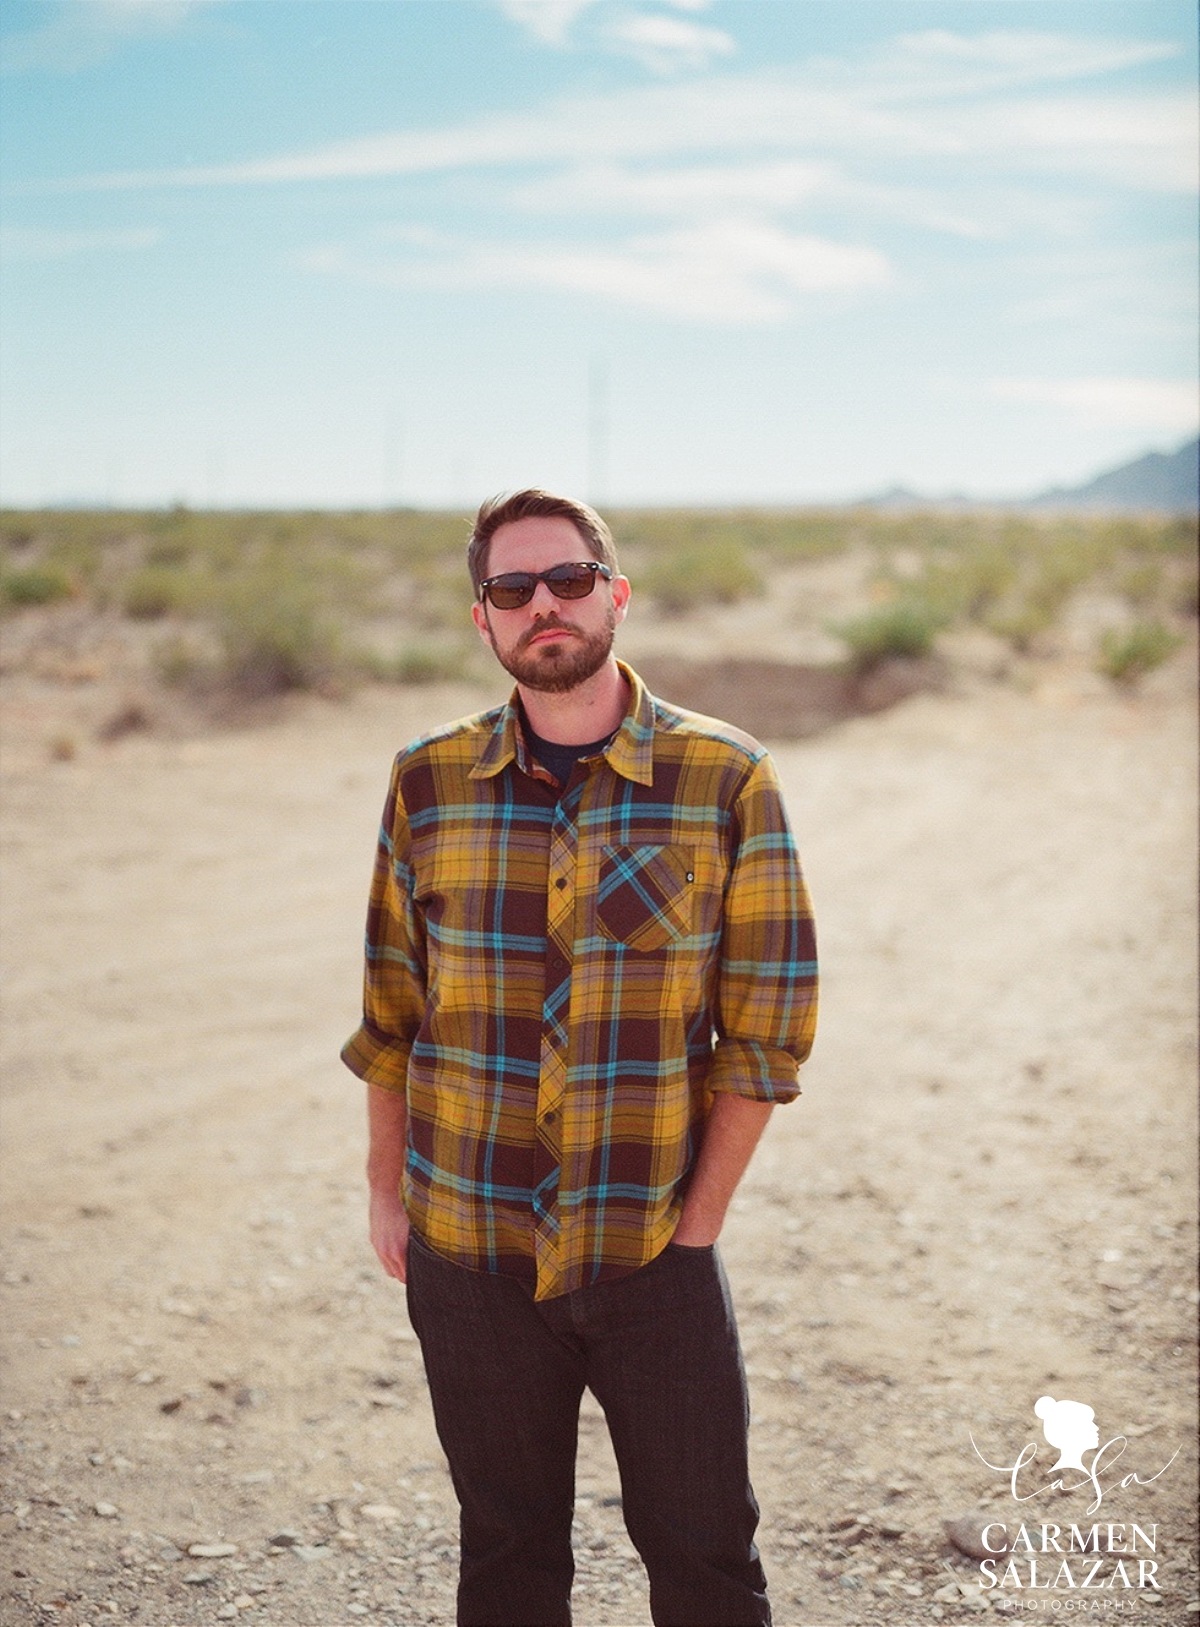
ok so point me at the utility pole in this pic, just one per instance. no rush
(216, 475)
(393, 446)
(597, 431)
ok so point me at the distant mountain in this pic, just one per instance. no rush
(1160, 480)
(1166, 481)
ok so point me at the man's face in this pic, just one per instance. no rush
(549, 644)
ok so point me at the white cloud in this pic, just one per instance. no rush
(1164, 406)
(612, 188)
(77, 34)
(730, 271)
(953, 109)
(547, 20)
(666, 44)
(1151, 143)
(37, 243)
(660, 43)
(727, 165)
(970, 64)
(762, 186)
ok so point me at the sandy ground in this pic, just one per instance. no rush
(214, 1406)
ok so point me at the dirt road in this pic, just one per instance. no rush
(986, 1194)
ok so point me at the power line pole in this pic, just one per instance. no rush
(597, 431)
(393, 448)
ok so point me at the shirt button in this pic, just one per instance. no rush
(561, 883)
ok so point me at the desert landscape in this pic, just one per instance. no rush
(986, 1195)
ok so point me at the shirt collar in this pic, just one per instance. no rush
(630, 752)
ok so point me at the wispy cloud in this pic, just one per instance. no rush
(1164, 406)
(76, 34)
(763, 186)
(732, 272)
(959, 108)
(668, 44)
(549, 21)
(682, 190)
(38, 243)
(732, 168)
(1002, 59)
(656, 40)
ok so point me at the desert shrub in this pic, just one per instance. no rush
(35, 585)
(1128, 653)
(16, 535)
(714, 572)
(274, 636)
(968, 583)
(1021, 622)
(906, 627)
(1185, 591)
(155, 591)
(1141, 582)
(421, 661)
(427, 663)
(179, 662)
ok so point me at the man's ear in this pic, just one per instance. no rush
(479, 617)
(621, 592)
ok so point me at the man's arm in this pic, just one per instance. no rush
(393, 1003)
(394, 979)
(766, 1004)
(387, 1122)
(735, 1124)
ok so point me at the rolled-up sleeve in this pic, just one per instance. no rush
(394, 981)
(767, 990)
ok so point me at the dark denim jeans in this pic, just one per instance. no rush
(659, 1350)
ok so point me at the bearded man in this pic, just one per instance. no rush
(590, 976)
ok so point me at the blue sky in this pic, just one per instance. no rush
(345, 252)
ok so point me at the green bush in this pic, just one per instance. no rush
(430, 663)
(274, 637)
(1185, 592)
(36, 584)
(906, 627)
(179, 663)
(155, 591)
(1141, 582)
(968, 583)
(1022, 622)
(1128, 653)
(422, 661)
(714, 572)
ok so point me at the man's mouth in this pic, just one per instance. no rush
(541, 635)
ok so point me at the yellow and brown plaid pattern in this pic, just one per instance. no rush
(560, 977)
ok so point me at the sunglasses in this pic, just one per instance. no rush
(515, 588)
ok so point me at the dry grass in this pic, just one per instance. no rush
(246, 605)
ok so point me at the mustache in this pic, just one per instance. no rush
(551, 624)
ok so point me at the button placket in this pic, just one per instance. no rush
(560, 938)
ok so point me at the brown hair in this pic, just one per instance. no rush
(524, 505)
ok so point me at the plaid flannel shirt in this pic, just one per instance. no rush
(560, 978)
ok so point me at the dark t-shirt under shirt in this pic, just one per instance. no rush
(557, 759)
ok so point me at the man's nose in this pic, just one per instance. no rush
(543, 601)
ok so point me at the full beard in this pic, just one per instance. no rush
(555, 668)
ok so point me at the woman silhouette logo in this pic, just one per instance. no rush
(1071, 1427)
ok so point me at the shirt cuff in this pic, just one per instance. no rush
(762, 1073)
(381, 1059)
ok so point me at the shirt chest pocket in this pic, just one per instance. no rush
(644, 897)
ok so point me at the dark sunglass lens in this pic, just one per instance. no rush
(511, 592)
(571, 581)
